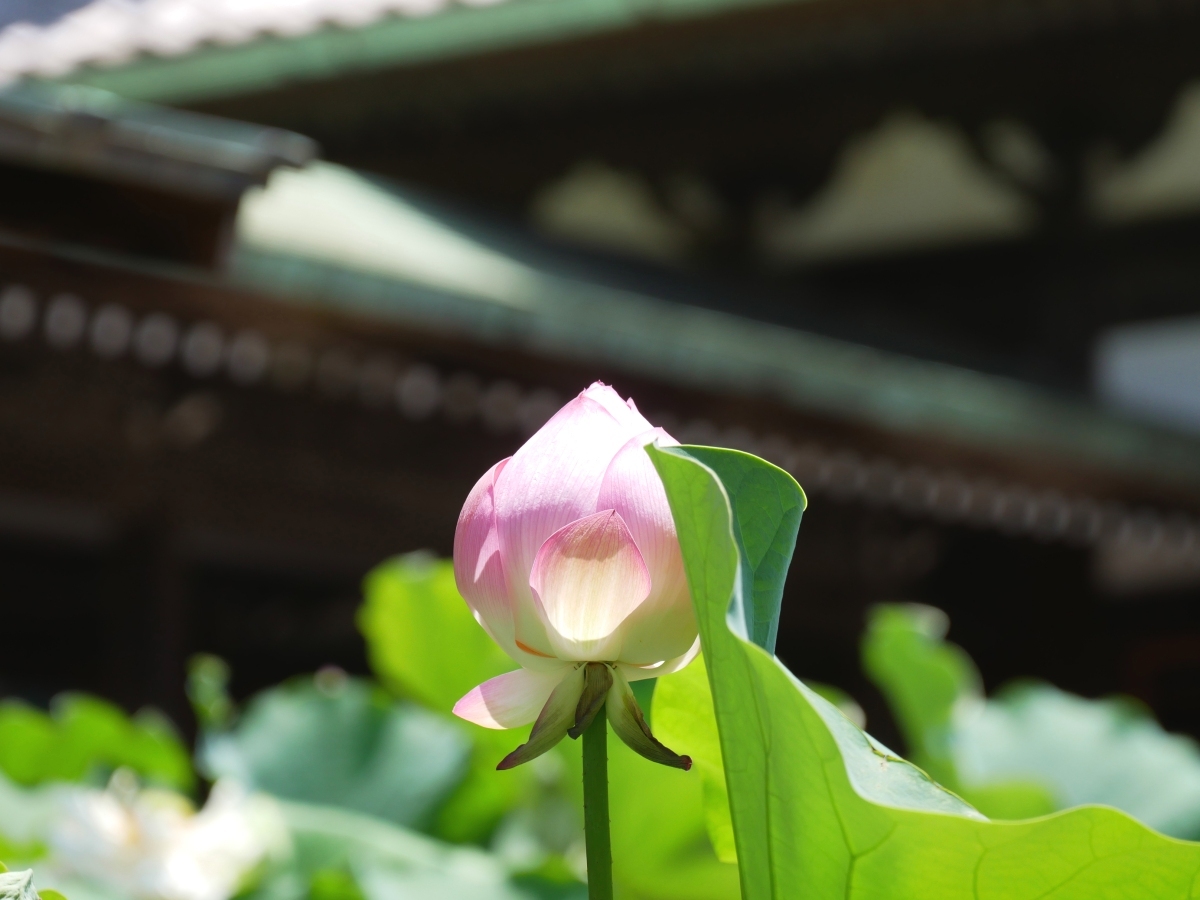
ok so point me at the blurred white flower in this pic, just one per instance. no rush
(17, 886)
(152, 845)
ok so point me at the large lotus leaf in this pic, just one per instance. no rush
(424, 643)
(930, 684)
(660, 843)
(85, 737)
(1082, 751)
(684, 717)
(822, 810)
(684, 709)
(1031, 741)
(765, 523)
(344, 742)
(923, 678)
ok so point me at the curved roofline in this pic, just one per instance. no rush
(126, 52)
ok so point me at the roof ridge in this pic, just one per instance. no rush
(112, 32)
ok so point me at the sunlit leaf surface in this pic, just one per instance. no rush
(661, 848)
(820, 809)
(683, 717)
(1032, 748)
(422, 640)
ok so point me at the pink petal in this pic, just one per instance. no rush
(478, 563)
(509, 700)
(624, 411)
(551, 481)
(663, 626)
(587, 578)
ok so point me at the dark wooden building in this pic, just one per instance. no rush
(221, 404)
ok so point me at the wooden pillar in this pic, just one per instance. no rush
(145, 641)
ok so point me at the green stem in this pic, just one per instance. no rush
(595, 808)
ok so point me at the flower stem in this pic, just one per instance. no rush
(595, 808)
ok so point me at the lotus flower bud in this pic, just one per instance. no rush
(566, 552)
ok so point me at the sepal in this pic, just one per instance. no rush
(630, 726)
(597, 680)
(556, 717)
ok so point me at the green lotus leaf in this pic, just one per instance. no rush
(424, 644)
(84, 737)
(684, 717)
(822, 810)
(342, 741)
(340, 854)
(1032, 748)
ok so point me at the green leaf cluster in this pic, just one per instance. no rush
(342, 741)
(1033, 748)
(424, 645)
(340, 854)
(360, 771)
(84, 737)
(819, 809)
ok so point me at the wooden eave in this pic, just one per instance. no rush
(747, 382)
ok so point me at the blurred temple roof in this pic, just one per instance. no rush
(240, 45)
(88, 131)
(336, 237)
(868, 164)
(81, 165)
(216, 413)
(189, 51)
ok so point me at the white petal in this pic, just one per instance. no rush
(587, 578)
(641, 673)
(509, 700)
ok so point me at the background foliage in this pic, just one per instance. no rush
(1032, 749)
(84, 737)
(382, 792)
